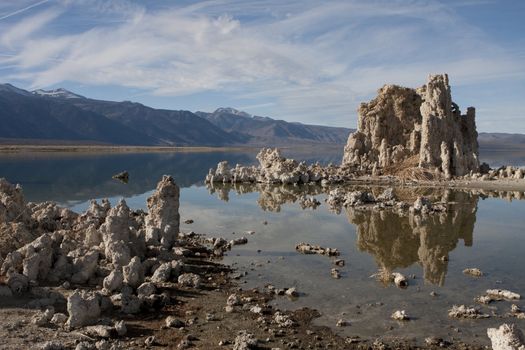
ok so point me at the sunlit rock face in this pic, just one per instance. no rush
(400, 239)
(162, 222)
(41, 243)
(416, 127)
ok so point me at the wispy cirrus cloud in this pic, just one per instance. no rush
(13, 12)
(308, 60)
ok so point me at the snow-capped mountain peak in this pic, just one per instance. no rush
(233, 111)
(60, 93)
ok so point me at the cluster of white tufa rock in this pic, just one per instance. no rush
(403, 133)
(123, 255)
(422, 125)
(275, 169)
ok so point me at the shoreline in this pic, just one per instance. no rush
(114, 149)
(488, 185)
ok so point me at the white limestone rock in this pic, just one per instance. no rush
(190, 280)
(146, 289)
(463, 311)
(400, 315)
(85, 267)
(503, 294)
(117, 223)
(506, 337)
(245, 341)
(12, 204)
(162, 273)
(113, 281)
(420, 127)
(162, 221)
(83, 309)
(133, 272)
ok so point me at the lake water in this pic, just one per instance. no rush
(483, 230)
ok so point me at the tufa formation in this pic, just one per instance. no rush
(420, 128)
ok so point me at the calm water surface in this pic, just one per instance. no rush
(480, 230)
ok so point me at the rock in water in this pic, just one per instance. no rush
(123, 177)
(162, 222)
(506, 337)
(417, 127)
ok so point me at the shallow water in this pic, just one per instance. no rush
(483, 230)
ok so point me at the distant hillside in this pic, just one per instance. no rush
(27, 116)
(166, 127)
(266, 130)
(61, 116)
(501, 140)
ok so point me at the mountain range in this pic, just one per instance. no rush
(64, 117)
(61, 116)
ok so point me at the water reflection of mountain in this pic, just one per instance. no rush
(79, 177)
(398, 240)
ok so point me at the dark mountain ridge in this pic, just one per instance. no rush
(60, 115)
(54, 116)
(264, 129)
(63, 117)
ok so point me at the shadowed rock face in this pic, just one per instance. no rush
(398, 240)
(420, 126)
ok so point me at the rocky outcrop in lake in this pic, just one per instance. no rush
(415, 128)
(403, 134)
(275, 169)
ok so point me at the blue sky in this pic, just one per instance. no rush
(311, 61)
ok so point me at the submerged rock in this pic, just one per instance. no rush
(307, 248)
(399, 279)
(400, 315)
(335, 273)
(463, 311)
(475, 272)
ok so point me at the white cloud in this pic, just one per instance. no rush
(312, 61)
(27, 26)
(13, 12)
